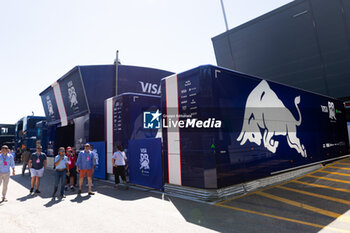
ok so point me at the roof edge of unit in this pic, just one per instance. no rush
(258, 19)
(78, 67)
(135, 94)
(64, 76)
(246, 75)
(152, 68)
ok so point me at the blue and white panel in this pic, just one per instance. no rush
(173, 135)
(109, 133)
(60, 103)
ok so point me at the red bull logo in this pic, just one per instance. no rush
(266, 116)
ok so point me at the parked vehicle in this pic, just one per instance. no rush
(26, 132)
(7, 135)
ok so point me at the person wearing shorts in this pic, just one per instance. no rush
(85, 164)
(37, 164)
(95, 163)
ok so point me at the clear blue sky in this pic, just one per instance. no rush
(42, 40)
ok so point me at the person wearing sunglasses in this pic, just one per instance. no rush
(6, 162)
(61, 164)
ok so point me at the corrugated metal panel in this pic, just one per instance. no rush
(305, 44)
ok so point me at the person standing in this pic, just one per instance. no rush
(6, 161)
(85, 164)
(119, 161)
(74, 153)
(25, 160)
(18, 154)
(94, 152)
(61, 164)
(71, 176)
(37, 164)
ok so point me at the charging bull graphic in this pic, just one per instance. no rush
(49, 105)
(331, 111)
(265, 112)
(72, 96)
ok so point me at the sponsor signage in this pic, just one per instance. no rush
(145, 162)
(140, 80)
(73, 95)
(65, 99)
(50, 106)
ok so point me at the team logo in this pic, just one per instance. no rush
(72, 94)
(266, 116)
(144, 160)
(151, 120)
(331, 111)
(49, 105)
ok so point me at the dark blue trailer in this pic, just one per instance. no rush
(42, 136)
(221, 128)
(127, 119)
(26, 132)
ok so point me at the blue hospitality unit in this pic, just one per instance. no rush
(225, 128)
(74, 104)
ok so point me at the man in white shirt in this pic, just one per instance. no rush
(119, 163)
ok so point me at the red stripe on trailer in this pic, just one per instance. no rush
(347, 104)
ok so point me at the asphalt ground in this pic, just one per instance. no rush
(316, 202)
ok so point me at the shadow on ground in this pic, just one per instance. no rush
(100, 186)
(201, 214)
(205, 215)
